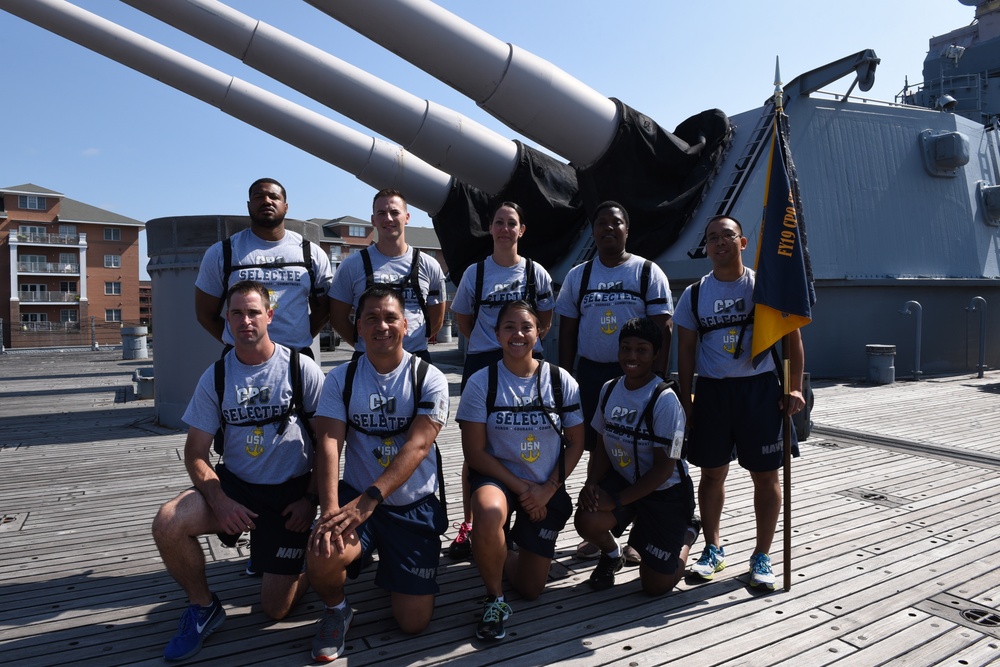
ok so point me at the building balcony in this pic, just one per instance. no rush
(49, 297)
(48, 267)
(50, 326)
(46, 239)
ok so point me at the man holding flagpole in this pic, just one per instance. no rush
(739, 407)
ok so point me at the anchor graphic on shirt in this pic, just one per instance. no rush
(609, 323)
(529, 449)
(387, 451)
(729, 342)
(624, 460)
(255, 439)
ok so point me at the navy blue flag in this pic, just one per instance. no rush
(783, 292)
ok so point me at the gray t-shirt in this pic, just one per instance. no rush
(722, 302)
(624, 430)
(258, 454)
(522, 439)
(383, 404)
(288, 285)
(500, 285)
(611, 298)
(350, 283)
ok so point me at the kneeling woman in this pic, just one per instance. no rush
(512, 415)
(638, 475)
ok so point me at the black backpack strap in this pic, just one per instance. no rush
(478, 300)
(584, 281)
(413, 280)
(307, 259)
(644, 278)
(530, 289)
(419, 375)
(607, 394)
(492, 378)
(366, 260)
(647, 269)
(348, 391)
(227, 263)
(555, 379)
(220, 389)
(298, 400)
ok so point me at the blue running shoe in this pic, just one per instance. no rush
(760, 571)
(713, 559)
(196, 624)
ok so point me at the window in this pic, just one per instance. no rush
(29, 229)
(112, 288)
(67, 230)
(34, 317)
(32, 203)
(357, 230)
(67, 258)
(24, 287)
(112, 262)
(69, 315)
(67, 286)
(113, 315)
(31, 262)
(112, 234)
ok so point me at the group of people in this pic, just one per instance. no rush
(284, 432)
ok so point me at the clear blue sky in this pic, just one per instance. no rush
(96, 131)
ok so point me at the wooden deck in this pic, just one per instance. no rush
(894, 548)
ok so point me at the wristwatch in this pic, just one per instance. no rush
(375, 494)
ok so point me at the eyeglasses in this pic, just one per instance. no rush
(727, 238)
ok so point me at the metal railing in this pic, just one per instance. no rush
(50, 326)
(47, 267)
(49, 297)
(60, 239)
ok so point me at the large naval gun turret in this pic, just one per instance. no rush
(902, 198)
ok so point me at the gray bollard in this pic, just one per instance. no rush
(880, 363)
(134, 343)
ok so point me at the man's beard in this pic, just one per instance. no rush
(266, 223)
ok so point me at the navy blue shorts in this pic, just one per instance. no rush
(537, 537)
(661, 521)
(273, 548)
(408, 539)
(591, 375)
(737, 418)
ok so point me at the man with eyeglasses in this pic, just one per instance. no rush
(737, 411)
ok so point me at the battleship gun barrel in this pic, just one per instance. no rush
(527, 93)
(376, 162)
(438, 135)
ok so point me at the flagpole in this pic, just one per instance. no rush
(786, 436)
(786, 419)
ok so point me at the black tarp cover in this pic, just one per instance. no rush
(656, 175)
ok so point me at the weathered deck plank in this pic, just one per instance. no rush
(81, 582)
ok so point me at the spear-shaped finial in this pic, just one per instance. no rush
(777, 84)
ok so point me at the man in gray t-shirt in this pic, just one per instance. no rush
(385, 429)
(737, 408)
(390, 261)
(262, 483)
(275, 257)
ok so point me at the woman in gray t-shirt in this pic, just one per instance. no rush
(514, 429)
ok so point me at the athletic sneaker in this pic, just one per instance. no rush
(331, 634)
(196, 624)
(713, 559)
(494, 614)
(603, 576)
(587, 551)
(461, 548)
(760, 571)
(632, 557)
(251, 571)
